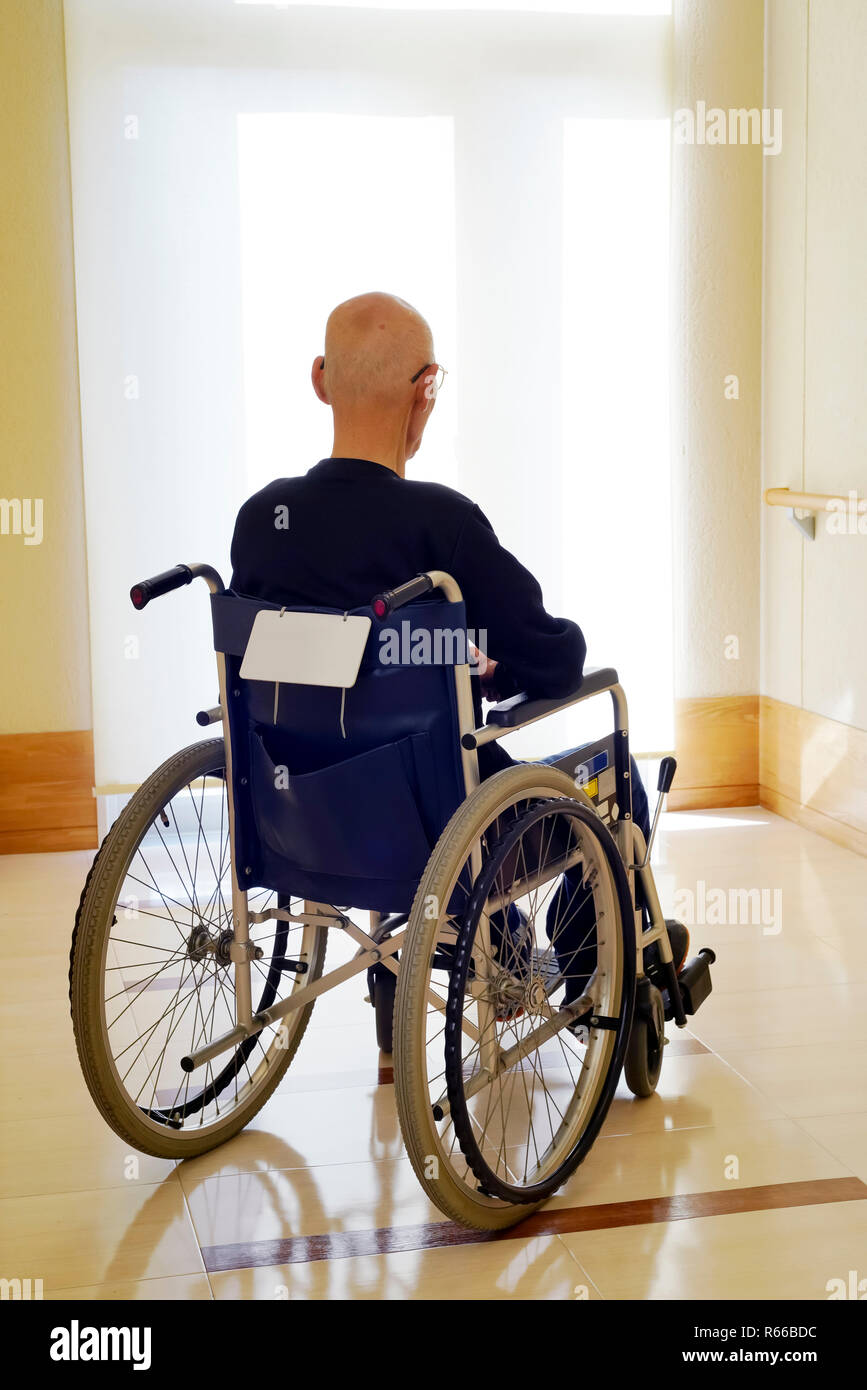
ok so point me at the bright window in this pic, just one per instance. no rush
(237, 170)
(326, 215)
(615, 409)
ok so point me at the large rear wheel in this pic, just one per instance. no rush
(515, 997)
(150, 975)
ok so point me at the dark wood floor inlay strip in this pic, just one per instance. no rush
(387, 1240)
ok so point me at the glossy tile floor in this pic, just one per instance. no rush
(745, 1176)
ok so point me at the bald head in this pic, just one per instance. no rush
(374, 344)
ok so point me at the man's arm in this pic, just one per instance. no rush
(534, 651)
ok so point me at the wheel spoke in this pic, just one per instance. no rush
(167, 981)
(518, 1090)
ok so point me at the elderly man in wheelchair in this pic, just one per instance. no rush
(515, 951)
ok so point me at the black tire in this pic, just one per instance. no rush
(384, 989)
(644, 1053)
(490, 1181)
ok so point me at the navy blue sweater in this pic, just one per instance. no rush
(353, 527)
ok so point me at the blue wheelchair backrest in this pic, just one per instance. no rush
(341, 793)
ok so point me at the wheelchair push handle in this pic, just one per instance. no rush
(141, 594)
(385, 603)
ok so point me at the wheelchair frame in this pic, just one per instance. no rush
(386, 936)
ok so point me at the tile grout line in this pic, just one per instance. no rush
(819, 1142)
(199, 1248)
(585, 1273)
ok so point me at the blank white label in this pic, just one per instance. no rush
(305, 648)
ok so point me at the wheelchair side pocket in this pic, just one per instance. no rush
(354, 819)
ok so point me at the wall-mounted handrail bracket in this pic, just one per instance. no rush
(805, 522)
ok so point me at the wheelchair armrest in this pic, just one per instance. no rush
(520, 709)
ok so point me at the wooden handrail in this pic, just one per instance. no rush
(807, 501)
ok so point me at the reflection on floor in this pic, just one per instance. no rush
(745, 1176)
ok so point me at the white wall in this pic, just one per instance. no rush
(815, 353)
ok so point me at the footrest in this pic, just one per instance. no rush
(545, 964)
(694, 980)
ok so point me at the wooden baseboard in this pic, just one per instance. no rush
(46, 792)
(705, 798)
(732, 751)
(813, 771)
(716, 742)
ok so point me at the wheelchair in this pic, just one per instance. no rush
(508, 917)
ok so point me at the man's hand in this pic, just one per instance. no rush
(484, 667)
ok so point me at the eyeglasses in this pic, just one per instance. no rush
(442, 373)
(440, 376)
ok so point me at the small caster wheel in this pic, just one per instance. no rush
(646, 1042)
(383, 984)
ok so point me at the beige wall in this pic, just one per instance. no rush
(717, 250)
(814, 653)
(44, 655)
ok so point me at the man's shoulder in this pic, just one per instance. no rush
(280, 492)
(447, 498)
(414, 493)
(277, 488)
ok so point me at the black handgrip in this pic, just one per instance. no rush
(141, 594)
(667, 769)
(383, 604)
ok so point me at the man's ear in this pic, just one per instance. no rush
(425, 390)
(422, 408)
(317, 377)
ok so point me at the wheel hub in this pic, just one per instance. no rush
(200, 944)
(537, 994)
(505, 991)
(222, 946)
